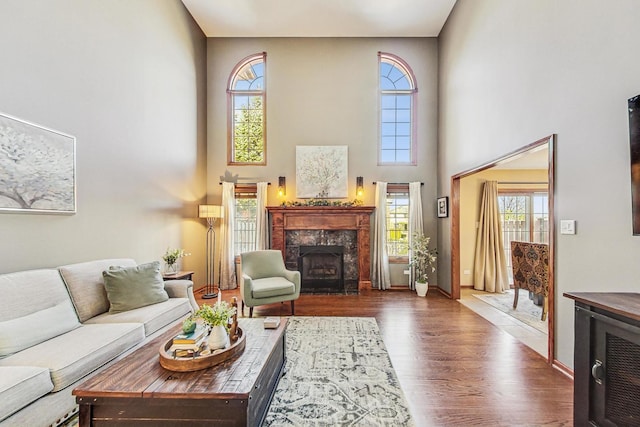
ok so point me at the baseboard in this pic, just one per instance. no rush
(445, 293)
(562, 368)
(400, 288)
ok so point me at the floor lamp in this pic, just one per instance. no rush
(211, 213)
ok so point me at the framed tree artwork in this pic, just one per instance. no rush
(37, 168)
(321, 171)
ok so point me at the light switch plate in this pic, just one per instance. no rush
(567, 226)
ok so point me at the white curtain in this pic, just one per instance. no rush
(490, 265)
(380, 257)
(415, 221)
(227, 261)
(262, 219)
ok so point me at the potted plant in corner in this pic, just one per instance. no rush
(423, 262)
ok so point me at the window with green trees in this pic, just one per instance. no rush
(247, 94)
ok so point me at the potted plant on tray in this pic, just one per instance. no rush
(217, 316)
(423, 261)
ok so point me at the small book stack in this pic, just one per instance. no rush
(271, 322)
(186, 344)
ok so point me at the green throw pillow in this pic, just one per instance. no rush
(132, 287)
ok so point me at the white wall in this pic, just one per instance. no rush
(512, 72)
(127, 79)
(325, 92)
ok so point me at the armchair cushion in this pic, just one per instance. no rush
(271, 287)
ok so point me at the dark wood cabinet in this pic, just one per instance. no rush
(606, 359)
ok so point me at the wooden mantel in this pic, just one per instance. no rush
(326, 218)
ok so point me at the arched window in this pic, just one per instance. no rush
(397, 111)
(246, 141)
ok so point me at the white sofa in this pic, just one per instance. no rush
(59, 322)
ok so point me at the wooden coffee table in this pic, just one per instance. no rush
(138, 391)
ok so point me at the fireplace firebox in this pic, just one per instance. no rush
(321, 268)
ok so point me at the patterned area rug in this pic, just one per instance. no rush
(338, 373)
(527, 312)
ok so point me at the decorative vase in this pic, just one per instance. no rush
(422, 288)
(172, 268)
(218, 338)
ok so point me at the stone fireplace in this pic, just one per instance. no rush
(296, 227)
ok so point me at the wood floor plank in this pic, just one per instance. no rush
(455, 367)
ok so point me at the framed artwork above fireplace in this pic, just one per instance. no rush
(321, 171)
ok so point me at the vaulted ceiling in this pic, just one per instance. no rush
(320, 18)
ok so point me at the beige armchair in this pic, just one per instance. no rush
(265, 280)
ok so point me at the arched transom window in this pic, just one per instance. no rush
(397, 111)
(247, 142)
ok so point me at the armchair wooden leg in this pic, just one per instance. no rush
(545, 307)
(250, 311)
(293, 311)
(515, 298)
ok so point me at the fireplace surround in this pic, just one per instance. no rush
(325, 225)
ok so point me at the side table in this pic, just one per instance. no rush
(180, 275)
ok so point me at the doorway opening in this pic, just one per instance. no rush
(457, 229)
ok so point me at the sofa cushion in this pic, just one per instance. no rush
(134, 287)
(86, 286)
(27, 331)
(75, 354)
(154, 316)
(271, 287)
(30, 291)
(21, 385)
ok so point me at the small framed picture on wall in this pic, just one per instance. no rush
(443, 207)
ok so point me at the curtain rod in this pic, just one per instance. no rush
(397, 183)
(522, 182)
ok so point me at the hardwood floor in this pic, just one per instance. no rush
(456, 368)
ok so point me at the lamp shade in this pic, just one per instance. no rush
(209, 211)
(359, 186)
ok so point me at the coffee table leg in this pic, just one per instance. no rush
(85, 415)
